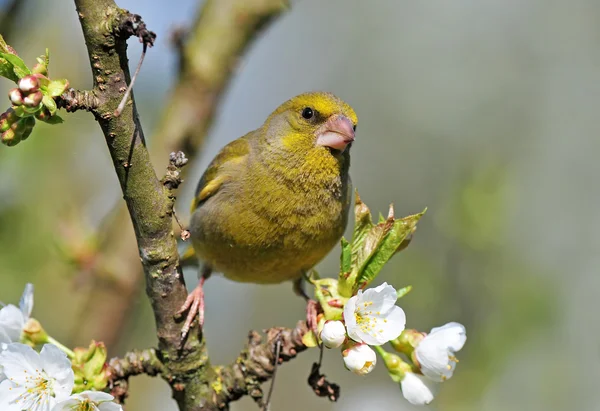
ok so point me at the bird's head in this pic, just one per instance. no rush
(312, 121)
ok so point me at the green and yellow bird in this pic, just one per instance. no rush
(274, 202)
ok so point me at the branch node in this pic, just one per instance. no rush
(172, 178)
(133, 25)
(73, 100)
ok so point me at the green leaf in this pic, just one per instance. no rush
(5, 48)
(55, 119)
(362, 223)
(386, 246)
(57, 87)
(19, 66)
(310, 339)
(50, 104)
(6, 70)
(346, 258)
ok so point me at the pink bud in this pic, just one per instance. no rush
(33, 99)
(40, 68)
(6, 119)
(9, 137)
(29, 84)
(15, 96)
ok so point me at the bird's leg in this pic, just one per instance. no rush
(194, 304)
(312, 307)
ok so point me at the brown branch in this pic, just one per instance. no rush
(222, 32)
(196, 385)
(133, 363)
(73, 100)
(149, 202)
(256, 364)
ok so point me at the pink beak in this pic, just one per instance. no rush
(336, 133)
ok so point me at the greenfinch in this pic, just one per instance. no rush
(274, 202)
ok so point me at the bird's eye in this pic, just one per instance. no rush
(308, 113)
(354, 128)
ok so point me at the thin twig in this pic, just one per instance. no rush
(276, 365)
(119, 109)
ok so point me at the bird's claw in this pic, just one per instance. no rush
(194, 305)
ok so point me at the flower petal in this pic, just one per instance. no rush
(12, 322)
(96, 396)
(382, 297)
(57, 366)
(393, 324)
(109, 406)
(452, 334)
(69, 404)
(434, 361)
(26, 302)
(20, 362)
(417, 390)
(350, 318)
(9, 392)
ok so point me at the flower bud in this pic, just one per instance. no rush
(10, 138)
(7, 119)
(16, 96)
(417, 389)
(360, 359)
(29, 84)
(33, 333)
(33, 99)
(40, 68)
(407, 341)
(333, 334)
(43, 114)
(89, 366)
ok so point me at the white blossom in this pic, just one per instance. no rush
(373, 317)
(417, 389)
(360, 359)
(34, 381)
(13, 319)
(435, 353)
(333, 334)
(88, 401)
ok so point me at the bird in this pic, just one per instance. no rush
(274, 202)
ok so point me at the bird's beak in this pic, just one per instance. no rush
(336, 133)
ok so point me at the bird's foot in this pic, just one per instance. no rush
(194, 305)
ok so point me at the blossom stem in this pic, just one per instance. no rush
(382, 353)
(66, 350)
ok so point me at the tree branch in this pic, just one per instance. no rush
(133, 363)
(222, 32)
(256, 364)
(196, 385)
(150, 203)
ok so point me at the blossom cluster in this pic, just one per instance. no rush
(371, 318)
(44, 380)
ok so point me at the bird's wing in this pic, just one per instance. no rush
(216, 174)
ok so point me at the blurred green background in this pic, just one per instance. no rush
(484, 111)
